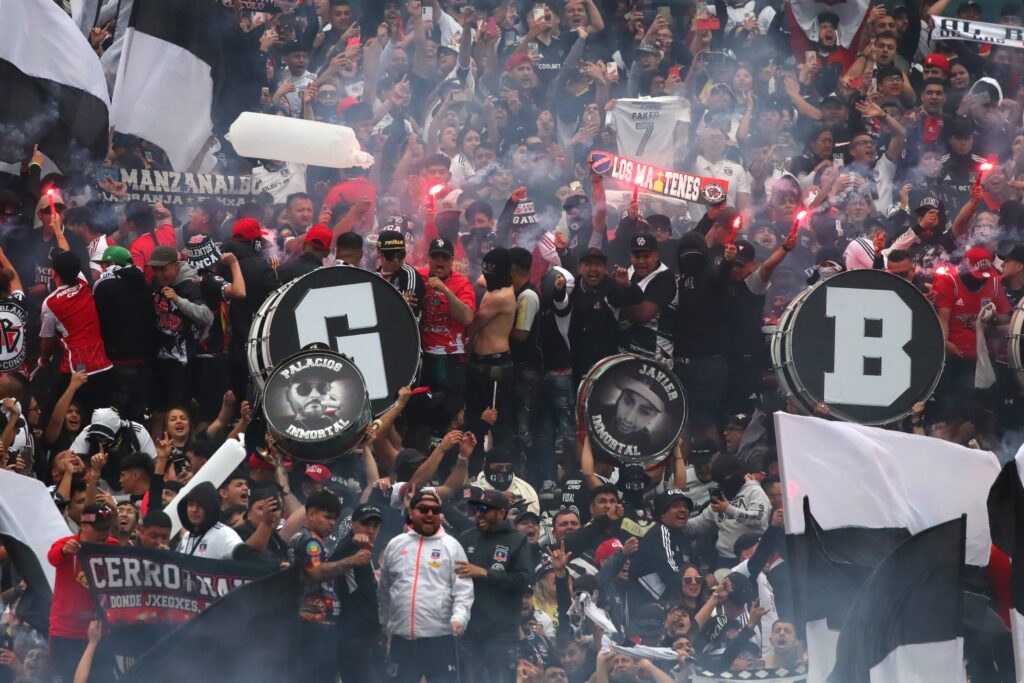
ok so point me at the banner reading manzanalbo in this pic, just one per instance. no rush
(978, 32)
(675, 184)
(174, 188)
(144, 593)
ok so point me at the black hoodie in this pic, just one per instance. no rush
(702, 313)
(206, 495)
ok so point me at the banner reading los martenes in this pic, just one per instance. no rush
(664, 181)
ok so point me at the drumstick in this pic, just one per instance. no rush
(494, 395)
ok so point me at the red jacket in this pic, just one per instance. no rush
(72, 607)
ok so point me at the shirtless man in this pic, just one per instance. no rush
(489, 380)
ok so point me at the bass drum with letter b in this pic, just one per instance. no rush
(865, 343)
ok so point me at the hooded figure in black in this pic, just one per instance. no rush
(701, 323)
(497, 269)
(204, 534)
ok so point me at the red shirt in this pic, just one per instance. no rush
(965, 305)
(72, 607)
(144, 245)
(440, 332)
(70, 313)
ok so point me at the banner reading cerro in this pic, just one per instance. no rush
(675, 184)
(173, 188)
(144, 593)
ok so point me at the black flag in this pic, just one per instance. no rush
(1005, 515)
(244, 636)
(906, 622)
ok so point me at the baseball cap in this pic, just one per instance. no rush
(98, 515)
(1015, 254)
(517, 59)
(663, 501)
(247, 229)
(594, 254)
(527, 516)
(367, 511)
(318, 473)
(320, 236)
(425, 495)
(927, 203)
(744, 252)
(119, 256)
(645, 241)
(937, 60)
(738, 421)
(163, 255)
(979, 262)
(492, 499)
(442, 246)
(702, 449)
(648, 621)
(390, 240)
(606, 550)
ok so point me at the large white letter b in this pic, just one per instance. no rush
(869, 369)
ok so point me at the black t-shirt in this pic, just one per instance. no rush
(745, 318)
(552, 57)
(215, 341)
(647, 337)
(1014, 295)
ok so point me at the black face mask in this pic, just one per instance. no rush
(497, 269)
(692, 262)
(972, 283)
(499, 480)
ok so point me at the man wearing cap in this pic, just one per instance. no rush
(738, 506)
(182, 317)
(1013, 274)
(698, 470)
(662, 554)
(960, 295)
(745, 299)
(625, 422)
(140, 224)
(315, 248)
(362, 648)
(124, 304)
(498, 562)
(644, 326)
(422, 601)
(247, 242)
(593, 305)
(449, 304)
(394, 269)
(72, 607)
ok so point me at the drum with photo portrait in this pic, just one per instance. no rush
(633, 408)
(355, 312)
(316, 405)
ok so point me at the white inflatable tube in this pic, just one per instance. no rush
(282, 138)
(222, 463)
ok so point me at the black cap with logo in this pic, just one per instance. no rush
(442, 246)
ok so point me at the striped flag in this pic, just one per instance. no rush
(54, 94)
(186, 72)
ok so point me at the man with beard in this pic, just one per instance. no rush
(423, 603)
(498, 562)
(960, 294)
(313, 399)
(449, 305)
(626, 420)
(593, 328)
(489, 373)
(662, 553)
(644, 327)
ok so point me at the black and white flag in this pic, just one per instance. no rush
(977, 32)
(186, 72)
(54, 94)
(1006, 517)
(29, 525)
(906, 623)
(868, 487)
